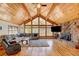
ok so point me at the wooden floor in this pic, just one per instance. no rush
(56, 48)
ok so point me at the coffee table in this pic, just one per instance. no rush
(25, 41)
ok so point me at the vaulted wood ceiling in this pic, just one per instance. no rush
(56, 13)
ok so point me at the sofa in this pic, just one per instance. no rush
(24, 35)
(66, 36)
(11, 48)
(33, 36)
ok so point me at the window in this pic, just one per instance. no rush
(28, 30)
(49, 33)
(39, 26)
(42, 31)
(12, 29)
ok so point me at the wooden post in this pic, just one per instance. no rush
(24, 27)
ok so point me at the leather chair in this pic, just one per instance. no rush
(11, 48)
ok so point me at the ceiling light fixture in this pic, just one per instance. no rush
(38, 5)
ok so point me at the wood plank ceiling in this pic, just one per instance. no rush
(19, 13)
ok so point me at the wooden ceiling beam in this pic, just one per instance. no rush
(38, 10)
(48, 15)
(31, 19)
(28, 20)
(8, 21)
(49, 20)
(25, 8)
(9, 9)
(51, 9)
(27, 12)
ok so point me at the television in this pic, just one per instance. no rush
(56, 28)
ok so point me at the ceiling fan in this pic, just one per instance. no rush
(44, 5)
(35, 5)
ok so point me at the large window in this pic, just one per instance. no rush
(42, 32)
(49, 33)
(35, 29)
(28, 29)
(12, 29)
(40, 26)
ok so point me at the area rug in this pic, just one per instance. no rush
(38, 43)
